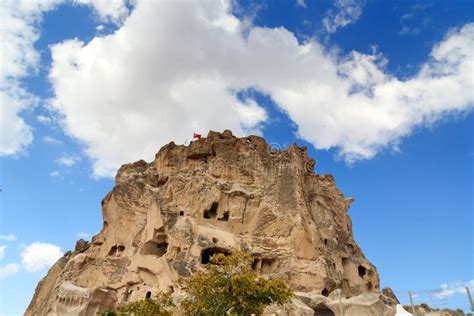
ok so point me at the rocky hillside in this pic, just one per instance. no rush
(163, 220)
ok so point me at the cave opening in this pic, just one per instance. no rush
(322, 310)
(206, 254)
(155, 248)
(212, 212)
(116, 250)
(325, 292)
(362, 270)
(148, 294)
(268, 265)
(225, 217)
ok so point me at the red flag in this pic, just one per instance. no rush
(198, 136)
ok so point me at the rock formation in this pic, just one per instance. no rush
(163, 220)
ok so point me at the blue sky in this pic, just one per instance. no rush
(379, 91)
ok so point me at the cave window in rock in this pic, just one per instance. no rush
(322, 310)
(155, 248)
(362, 271)
(257, 264)
(212, 212)
(207, 253)
(370, 287)
(325, 292)
(268, 265)
(116, 250)
(128, 295)
(148, 294)
(181, 213)
(325, 241)
(225, 217)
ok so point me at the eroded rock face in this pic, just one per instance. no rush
(163, 220)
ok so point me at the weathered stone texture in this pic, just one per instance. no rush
(164, 219)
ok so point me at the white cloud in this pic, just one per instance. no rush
(2, 252)
(38, 256)
(19, 22)
(83, 235)
(415, 19)
(346, 12)
(67, 160)
(19, 29)
(54, 173)
(9, 237)
(44, 119)
(108, 10)
(8, 270)
(301, 3)
(50, 140)
(454, 288)
(126, 94)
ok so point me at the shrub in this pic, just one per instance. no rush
(230, 286)
(159, 306)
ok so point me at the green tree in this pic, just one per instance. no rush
(159, 306)
(230, 287)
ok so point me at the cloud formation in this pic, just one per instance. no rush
(134, 92)
(345, 12)
(67, 160)
(9, 237)
(83, 235)
(19, 29)
(449, 289)
(126, 94)
(8, 270)
(19, 21)
(2, 251)
(38, 256)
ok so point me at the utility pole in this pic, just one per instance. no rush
(411, 302)
(470, 298)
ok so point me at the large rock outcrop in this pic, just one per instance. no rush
(163, 220)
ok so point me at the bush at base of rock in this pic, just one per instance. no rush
(159, 306)
(231, 287)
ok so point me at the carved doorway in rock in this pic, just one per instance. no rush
(323, 310)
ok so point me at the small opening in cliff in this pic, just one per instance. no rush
(225, 217)
(268, 265)
(370, 287)
(127, 295)
(325, 292)
(148, 294)
(362, 271)
(325, 241)
(155, 248)
(207, 253)
(322, 310)
(345, 261)
(257, 264)
(212, 212)
(116, 250)
(181, 213)
(215, 240)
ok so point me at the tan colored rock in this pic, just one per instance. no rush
(163, 220)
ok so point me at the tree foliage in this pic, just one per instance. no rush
(159, 306)
(229, 286)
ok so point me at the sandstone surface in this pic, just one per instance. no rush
(163, 220)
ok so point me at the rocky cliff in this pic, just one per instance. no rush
(163, 220)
